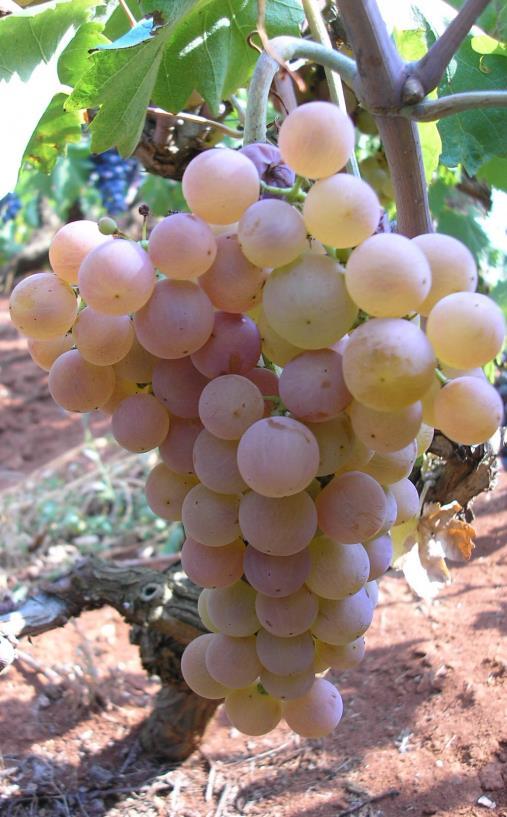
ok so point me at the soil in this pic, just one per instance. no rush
(425, 725)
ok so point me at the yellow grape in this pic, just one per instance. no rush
(341, 211)
(43, 306)
(316, 139)
(453, 267)
(466, 329)
(468, 410)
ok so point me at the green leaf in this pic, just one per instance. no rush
(484, 44)
(161, 195)
(118, 23)
(473, 137)
(499, 294)
(493, 20)
(55, 130)
(494, 173)
(75, 59)
(202, 46)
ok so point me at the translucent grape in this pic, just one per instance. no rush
(102, 339)
(389, 468)
(272, 233)
(266, 381)
(233, 661)
(211, 566)
(388, 276)
(117, 277)
(337, 570)
(42, 306)
(289, 615)
(178, 385)
(229, 405)
(351, 508)
(386, 431)
(348, 656)
(316, 713)
(341, 210)
(407, 500)
(307, 302)
(233, 348)
(466, 329)
(287, 687)
(219, 184)
(453, 267)
(278, 456)
(176, 321)
(140, 423)
(276, 576)
(77, 385)
(388, 364)
(428, 402)
(45, 352)
(380, 554)
(195, 672)
(274, 347)
(252, 710)
(215, 463)
(71, 244)
(209, 517)
(312, 386)
(357, 457)
(233, 283)
(165, 491)
(202, 609)
(316, 139)
(468, 410)
(284, 656)
(278, 526)
(182, 246)
(137, 365)
(424, 438)
(343, 620)
(232, 609)
(177, 448)
(335, 439)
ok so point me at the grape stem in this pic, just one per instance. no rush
(432, 109)
(200, 120)
(293, 193)
(441, 377)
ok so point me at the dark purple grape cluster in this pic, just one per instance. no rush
(113, 176)
(10, 206)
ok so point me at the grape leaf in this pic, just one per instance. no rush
(493, 20)
(53, 133)
(494, 172)
(118, 23)
(201, 46)
(75, 58)
(473, 137)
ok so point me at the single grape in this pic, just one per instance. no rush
(336, 443)
(278, 526)
(341, 211)
(182, 246)
(312, 386)
(219, 184)
(272, 233)
(287, 687)
(285, 656)
(211, 566)
(177, 448)
(117, 277)
(389, 468)
(229, 405)
(210, 518)
(140, 423)
(317, 712)
(407, 500)
(348, 656)
(195, 671)
(233, 661)
(278, 456)
(122, 389)
(316, 139)
(276, 576)
(233, 283)
(337, 570)
(215, 463)
(380, 554)
(234, 346)
(385, 431)
(176, 321)
(178, 385)
(71, 244)
(137, 365)
(165, 491)
(232, 609)
(43, 306)
(45, 352)
(77, 385)
(270, 166)
(351, 508)
(266, 381)
(453, 267)
(468, 410)
(252, 711)
(274, 347)
(289, 615)
(466, 329)
(344, 620)
(102, 339)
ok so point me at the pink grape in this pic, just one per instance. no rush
(122, 389)
(278, 526)
(229, 405)
(468, 410)
(234, 346)
(276, 576)
(77, 385)
(386, 431)
(284, 656)
(337, 570)
(140, 423)
(380, 554)
(351, 508)
(287, 616)
(343, 620)
(272, 233)
(215, 463)
(165, 491)
(182, 246)
(252, 711)
(117, 277)
(178, 385)
(312, 386)
(287, 687)
(232, 609)
(219, 184)
(195, 671)
(232, 283)
(43, 306)
(176, 321)
(348, 656)
(336, 441)
(102, 339)
(267, 381)
(317, 712)
(210, 518)
(278, 456)
(211, 566)
(177, 448)
(71, 244)
(137, 365)
(453, 267)
(45, 352)
(233, 661)
(316, 139)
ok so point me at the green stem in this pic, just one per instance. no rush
(441, 377)
(293, 193)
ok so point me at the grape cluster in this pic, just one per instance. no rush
(289, 398)
(113, 176)
(10, 206)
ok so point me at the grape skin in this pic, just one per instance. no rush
(287, 616)
(210, 518)
(316, 139)
(195, 672)
(312, 386)
(337, 570)
(272, 233)
(117, 277)
(389, 468)
(182, 246)
(278, 526)
(77, 385)
(341, 211)
(276, 576)
(232, 610)
(43, 306)
(213, 566)
(351, 508)
(71, 244)
(252, 711)
(233, 283)
(284, 656)
(219, 185)
(385, 431)
(468, 410)
(233, 661)
(453, 267)
(229, 405)
(165, 491)
(140, 423)
(45, 352)
(102, 339)
(317, 713)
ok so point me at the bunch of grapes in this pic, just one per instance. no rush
(113, 177)
(288, 396)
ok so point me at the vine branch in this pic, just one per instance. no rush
(432, 109)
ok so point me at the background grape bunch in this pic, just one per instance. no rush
(289, 397)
